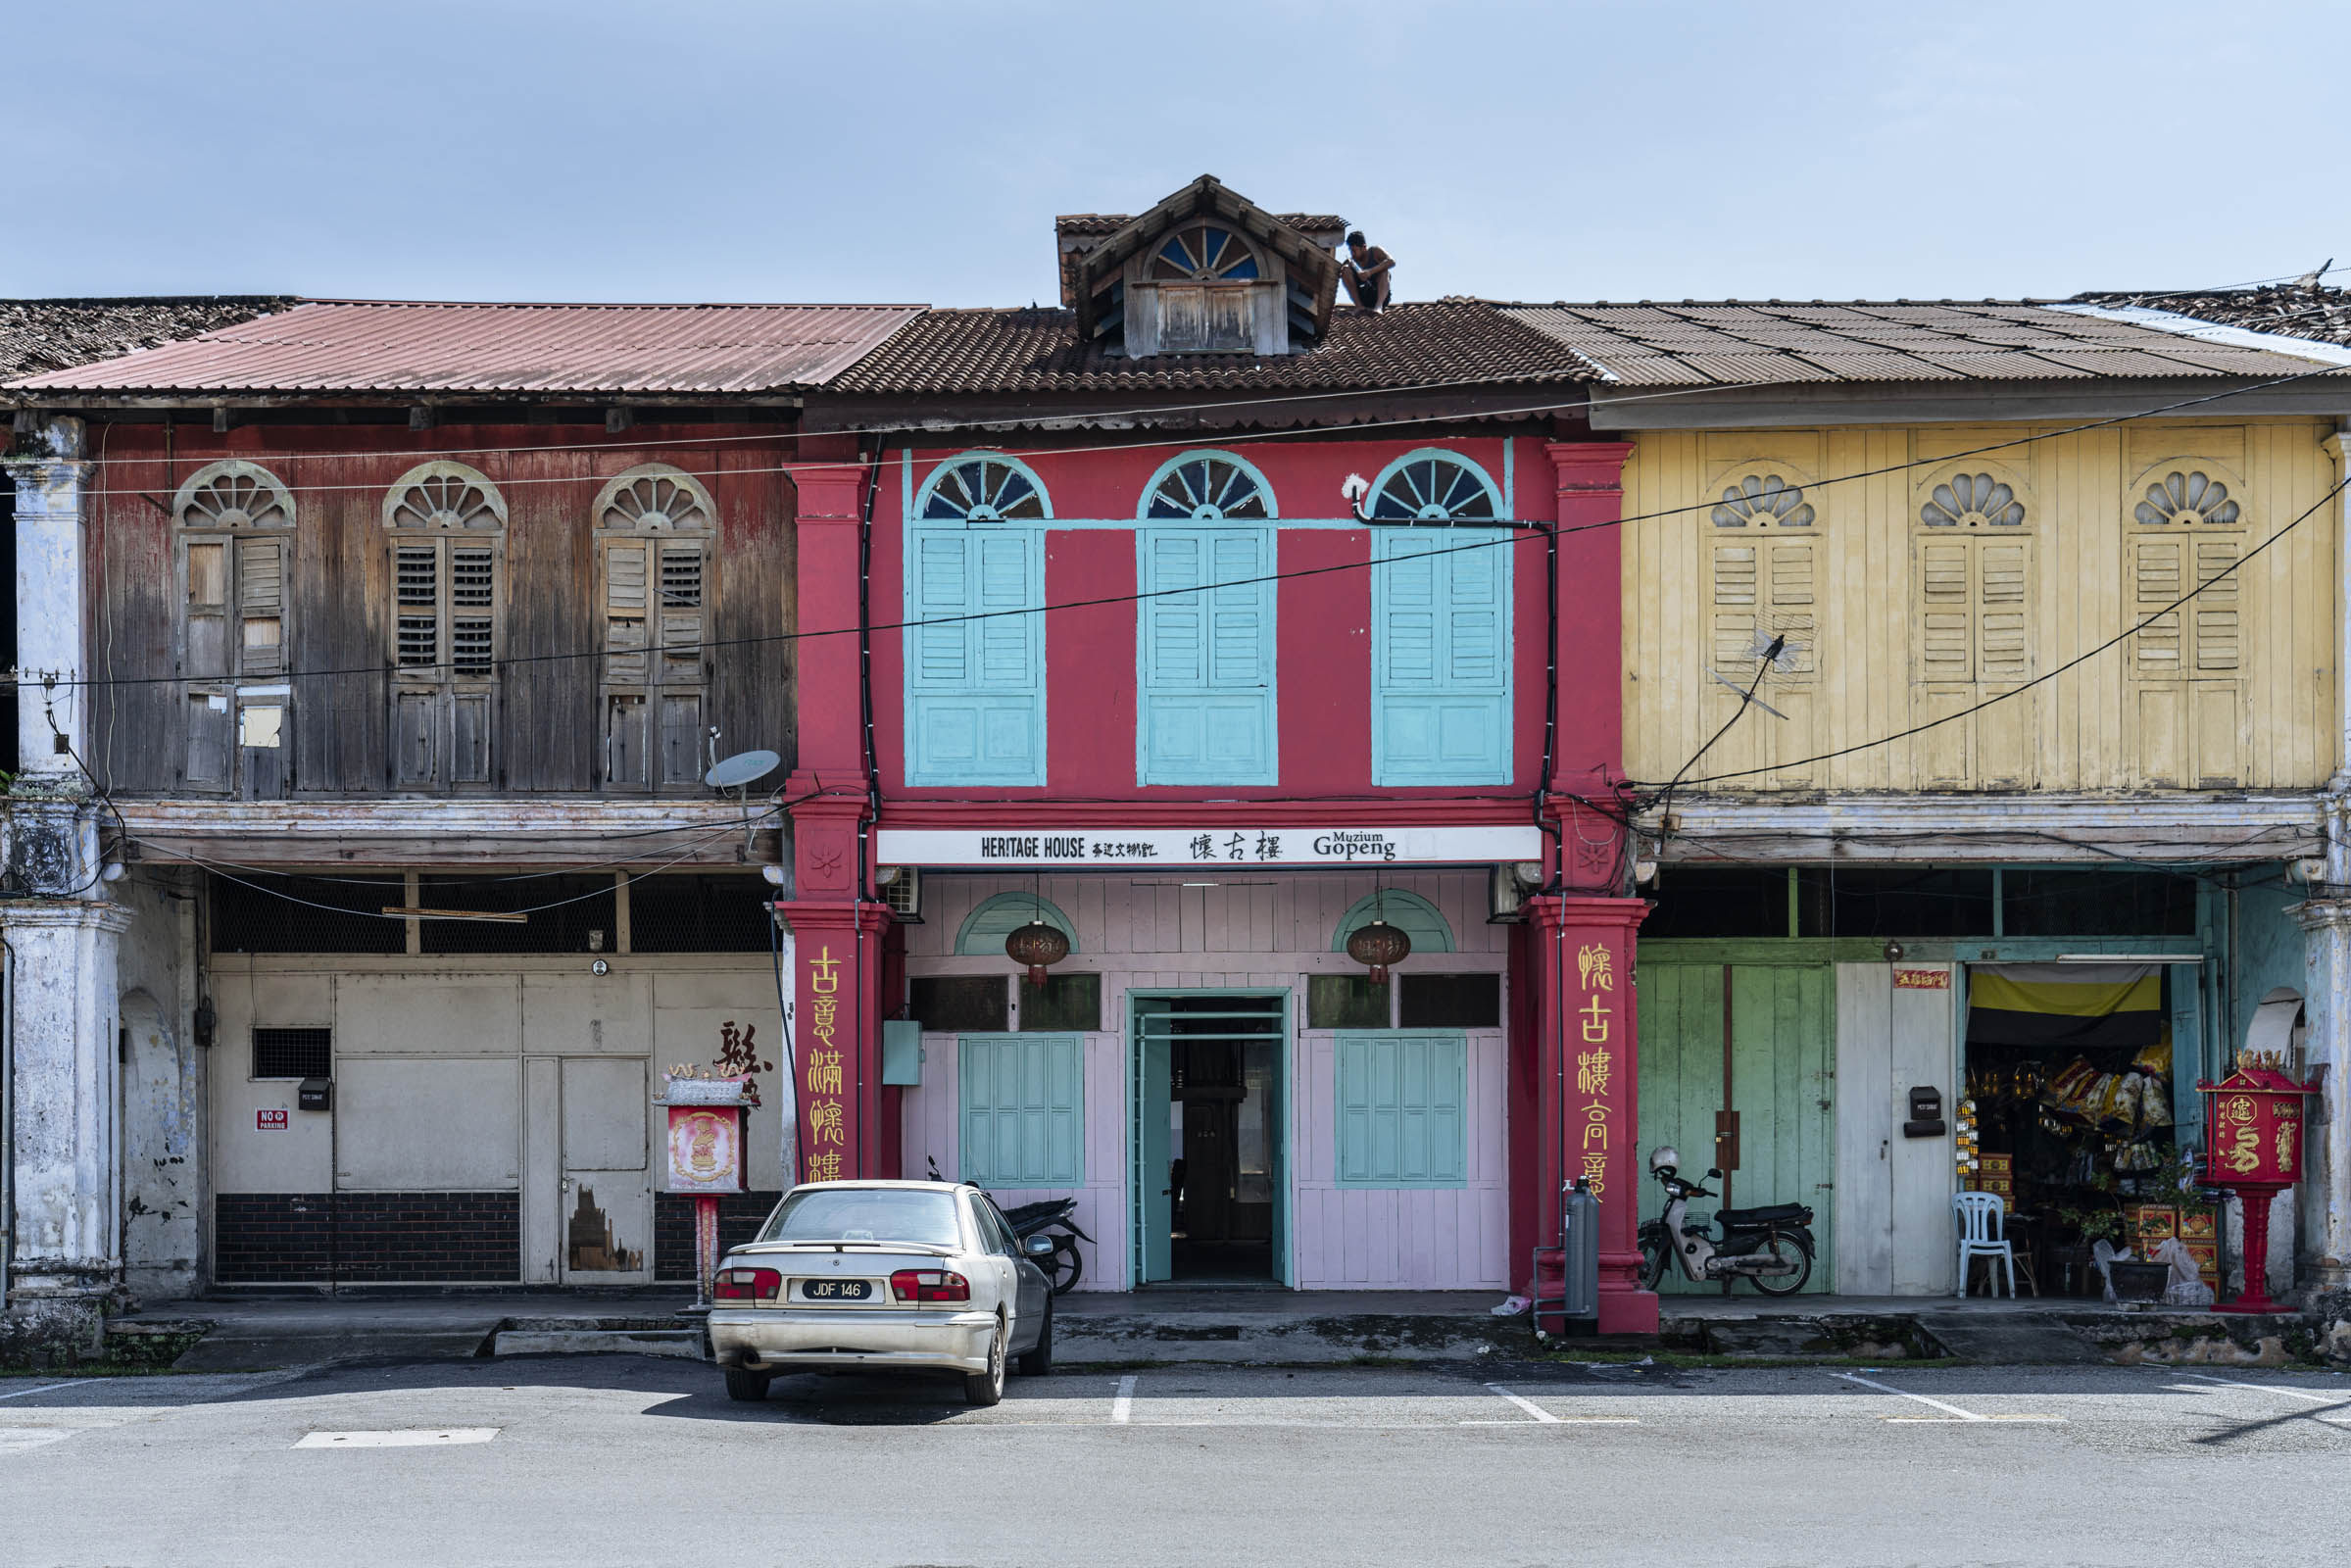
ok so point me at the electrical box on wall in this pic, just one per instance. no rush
(901, 1051)
(316, 1094)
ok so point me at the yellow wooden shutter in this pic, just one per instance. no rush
(2219, 639)
(2004, 645)
(1947, 612)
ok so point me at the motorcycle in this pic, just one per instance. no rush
(1772, 1245)
(1064, 1264)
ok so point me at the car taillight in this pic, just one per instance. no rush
(745, 1285)
(929, 1285)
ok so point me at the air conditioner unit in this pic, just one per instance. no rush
(902, 889)
(1506, 888)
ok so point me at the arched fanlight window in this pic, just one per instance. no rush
(1207, 487)
(1205, 252)
(982, 488)
(1432, 486)
(443, 495)
(655, 499)
(1973, 501)
(233, 493)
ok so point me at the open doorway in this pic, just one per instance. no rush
(1209, 1109)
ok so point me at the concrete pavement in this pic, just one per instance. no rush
(585, 1461)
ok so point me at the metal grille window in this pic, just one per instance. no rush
(448, 524)
(293, 1053)
(961, 1004)
(568, 914)
(260, 912)
(725, 913)
(653, 527)
(1449, 1000)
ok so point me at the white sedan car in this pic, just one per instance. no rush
(877, 1275)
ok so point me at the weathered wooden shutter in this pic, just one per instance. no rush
(2186, 659)
(975, 698)
(681, 662)
(1023, 1109)
(1947, 612)
(628, 574)
(1207, 699)
(260, 607)
(1441, 627)
(1402, 1110)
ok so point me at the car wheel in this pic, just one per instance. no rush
(987, 1388)
(749, 1387)
(1038, 1362)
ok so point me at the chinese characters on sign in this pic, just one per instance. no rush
(827, 1128)
(739, 1057)
(1596, 979)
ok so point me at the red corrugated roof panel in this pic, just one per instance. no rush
(415, 347)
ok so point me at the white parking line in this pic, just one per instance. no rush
(19, 1394)
(1546, 1418)
(1122, 1404)
(2338, 1400)
(1956, 1414)
(416, 1438)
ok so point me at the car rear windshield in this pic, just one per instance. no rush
(867, 1215)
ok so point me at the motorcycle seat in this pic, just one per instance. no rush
(1768, 1214)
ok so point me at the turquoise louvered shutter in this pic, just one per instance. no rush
(1440, 656)
(1024, 1109)
(975, 687)
(1402, 1110)
(1207, 699)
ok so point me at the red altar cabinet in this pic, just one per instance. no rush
(705, 1144)
(2253, 1143)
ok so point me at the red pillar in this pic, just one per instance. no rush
(1587, 1047)
(1588, 652)
(836, 934)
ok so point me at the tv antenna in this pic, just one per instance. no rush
(738, 773)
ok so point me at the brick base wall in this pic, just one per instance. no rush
(377, 1238)
(740, 1215)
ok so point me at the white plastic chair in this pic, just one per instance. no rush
(1982, 1234)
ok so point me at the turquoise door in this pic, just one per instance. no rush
(1153, 1208)
(1757, 1098)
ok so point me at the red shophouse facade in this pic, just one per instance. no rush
(1162, 675)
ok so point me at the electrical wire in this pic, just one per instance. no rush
(1532, 532)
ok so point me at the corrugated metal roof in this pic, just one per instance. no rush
(1038, 350)
(1735, 343)
(418, 347)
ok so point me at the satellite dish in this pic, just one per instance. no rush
(739, 770)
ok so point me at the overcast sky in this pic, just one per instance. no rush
(696, 150)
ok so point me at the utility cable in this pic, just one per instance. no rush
(1514, 535)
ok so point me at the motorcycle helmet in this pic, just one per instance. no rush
(1664, 1157)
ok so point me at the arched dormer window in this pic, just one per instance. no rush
(1434, 486)
(983, 487)
(655, 524)
(1205, 252)
(446, 528)
(1207, 487)
(235, 522)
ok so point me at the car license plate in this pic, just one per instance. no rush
(835, 1289)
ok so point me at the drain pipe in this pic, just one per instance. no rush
(7, 1114)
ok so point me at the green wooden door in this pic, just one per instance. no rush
(1775, 1066)
(1152, 1211)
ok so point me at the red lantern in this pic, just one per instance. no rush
(1379, 945)
(1036, 945)
(2253, 1147)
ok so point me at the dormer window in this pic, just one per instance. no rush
(1205, 254)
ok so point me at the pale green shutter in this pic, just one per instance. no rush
(1440, 656)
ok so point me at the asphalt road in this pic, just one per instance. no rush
(591, 1460)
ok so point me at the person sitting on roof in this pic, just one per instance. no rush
(1366, 272)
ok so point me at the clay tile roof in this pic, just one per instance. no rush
(1735, 343)
(419, 347)
(2309, 310)
(1037, 350)
(40, 335)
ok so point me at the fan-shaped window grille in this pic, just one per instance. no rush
(2188, 499)
(982, 489)
(982, 931)
(1205, 252)
(656, 499)
(1409, 912)
(1434, 487)
(1763, 501)
(1973, 501)
(233, 495)
(1207, 487)
(443, 495)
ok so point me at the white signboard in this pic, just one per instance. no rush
(1180, 849)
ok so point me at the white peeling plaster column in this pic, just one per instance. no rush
(52, 479)
(67, 1230)
(2325, 1198)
